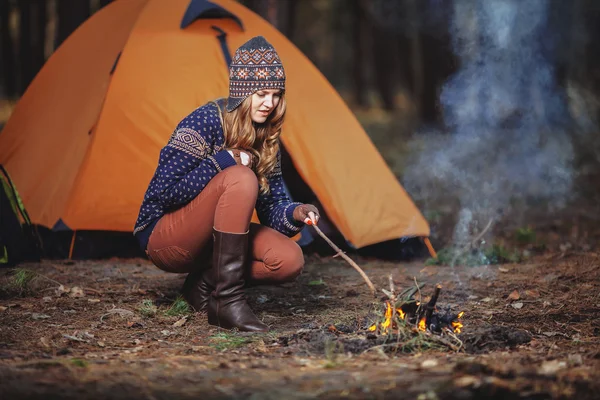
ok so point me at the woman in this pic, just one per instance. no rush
(222, 162)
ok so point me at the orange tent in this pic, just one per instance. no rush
(83, 141)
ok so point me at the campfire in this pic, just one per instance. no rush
(408, 312)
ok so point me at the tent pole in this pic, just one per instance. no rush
(72, 245)
(430, 247)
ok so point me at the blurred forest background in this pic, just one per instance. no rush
(486, 110)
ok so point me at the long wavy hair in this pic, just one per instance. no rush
(262, 140)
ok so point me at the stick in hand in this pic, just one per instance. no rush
(343, 255)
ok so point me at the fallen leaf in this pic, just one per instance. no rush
(502, 269)
(518, 305)
(514, 295)
(534, 294)
(76, 291)
(261, 347)
(93, 300)
(429, 363)
(47, 299)
(552, 367)
(101, 343)
(39, 316)
(180, 322)
(2, 308)
(61, 289)
(486, 299)
(44, 342)
(467, 380)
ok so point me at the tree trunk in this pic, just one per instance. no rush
(38, 38)
(71, 14)
(7, 52)
(383, 61)
(358, 65)
(416, 57)
(259, 7)
(286, 18)
(25, 56)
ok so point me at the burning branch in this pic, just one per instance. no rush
(348, 259)
(431, 305)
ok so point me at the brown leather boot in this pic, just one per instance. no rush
(227, 306)
(197, 289)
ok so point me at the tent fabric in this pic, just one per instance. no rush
(83, 143)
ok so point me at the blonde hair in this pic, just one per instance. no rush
(262, 140)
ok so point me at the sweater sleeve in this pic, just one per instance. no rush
(186, 166)
(275, 209)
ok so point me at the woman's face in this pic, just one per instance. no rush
(263, 103)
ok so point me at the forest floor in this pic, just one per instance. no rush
(115, 329)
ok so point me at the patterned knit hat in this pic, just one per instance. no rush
(255, 66)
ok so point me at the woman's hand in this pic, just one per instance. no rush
(241, 157)
(307, 213)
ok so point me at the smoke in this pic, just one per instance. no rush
(508, 151)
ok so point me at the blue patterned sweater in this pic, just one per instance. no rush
(193, 155)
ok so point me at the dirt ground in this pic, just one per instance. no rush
(109, 329)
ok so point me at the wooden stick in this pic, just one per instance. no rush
(431, 305)
(348, 259)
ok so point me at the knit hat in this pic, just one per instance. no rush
(255, 66)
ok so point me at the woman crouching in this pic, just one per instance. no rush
(221, 163)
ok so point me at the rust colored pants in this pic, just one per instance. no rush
(182, 240)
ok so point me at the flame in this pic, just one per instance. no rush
(401, 313)
(457, 326)
(387, 323)
(388, 317)
(422, 326)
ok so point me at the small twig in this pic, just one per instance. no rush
(452, 335)
(348, 259)
(418, 290)
(445, 342)
(470, 244)
(392, 298)
(418, 310)
(122, 312)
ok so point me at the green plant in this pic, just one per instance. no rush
(147, 308)
(19, 281)
(525, 236)
(498, 254)
(79, 362)
(490, 255)
(178, 308)
(223, 341)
